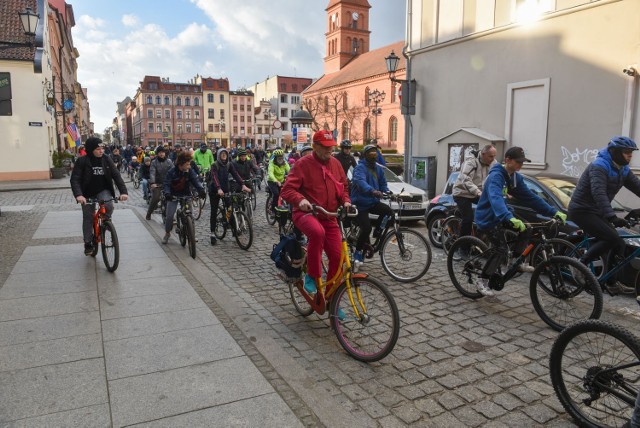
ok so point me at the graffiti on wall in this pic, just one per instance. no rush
(574, 162)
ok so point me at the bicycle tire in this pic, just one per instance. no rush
(569, 293)
(96, 246)
(374, 335)
(248, 209)
(221, 221)
(243, 230)
(198, 204)
(254, 199)
(405, 255)
(182, 233)
(561, 247)
(576, 357)
(450, 231)
(464, 271)
(110, 246)
(271, 216)
(189, 231)
(299, 302)
(136, 183)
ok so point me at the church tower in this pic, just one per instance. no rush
(348, 32)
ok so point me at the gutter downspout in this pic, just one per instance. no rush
(408, 126)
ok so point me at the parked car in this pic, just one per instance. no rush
(415, 200)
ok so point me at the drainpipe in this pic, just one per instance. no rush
(408, 126)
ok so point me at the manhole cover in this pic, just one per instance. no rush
(472, 346)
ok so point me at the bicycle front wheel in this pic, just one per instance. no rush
(564, 291)
(254, 199)
(465, 261)
(244, 231)
(221, 221)
(371, 336)
(110, 247)
(189, 231)
(181, 229)
(136, 183)
(271, 216)
(405, 255)
(299, 302)
(595, 372)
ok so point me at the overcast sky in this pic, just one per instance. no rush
(121, 41)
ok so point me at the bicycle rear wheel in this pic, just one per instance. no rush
(595, 372)
(372, 336)
(136, 182)
(271, 216)
(198, 204)
(405, 255)
(189, 231)
(450, 232)
(244, 230)
(110, 247)
(299, 302)
(467, 256)
(221, 221)
(564, 291)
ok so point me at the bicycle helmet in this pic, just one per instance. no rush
(278, 152)
(345, 144)
(620, 142)
(152, 153)
(241, 151)
(368, 148)
(305, 149)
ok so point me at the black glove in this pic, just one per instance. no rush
(618, 222)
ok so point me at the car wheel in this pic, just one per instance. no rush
(434, 225)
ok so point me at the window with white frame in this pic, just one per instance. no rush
(527, 119)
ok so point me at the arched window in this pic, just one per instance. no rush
(367, 101)
(366, 130)
(196, 101)
(149, 99)
(178, 101)
(166, 101)
(326, 104)
(158, 99)
(393, 129)
(187, 101)
(345, 130)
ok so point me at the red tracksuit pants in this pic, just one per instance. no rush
(323, 234)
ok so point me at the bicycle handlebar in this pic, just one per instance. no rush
(100, 201)
(339, 213)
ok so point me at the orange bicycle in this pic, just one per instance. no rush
(362, 311)
(104, 233)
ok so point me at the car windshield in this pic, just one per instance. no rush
(563, 190)
(390, 176)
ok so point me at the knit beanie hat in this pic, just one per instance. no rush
(91, 144)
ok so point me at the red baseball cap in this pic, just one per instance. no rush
(324, 138)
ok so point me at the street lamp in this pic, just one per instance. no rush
(29, 20)
(220, 125)
(376, 97)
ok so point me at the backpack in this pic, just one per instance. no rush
(288, 256)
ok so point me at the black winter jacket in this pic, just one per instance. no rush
(82, 173)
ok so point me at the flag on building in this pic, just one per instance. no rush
(73, 137)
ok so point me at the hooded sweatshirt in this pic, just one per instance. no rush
(220, 173)
(365, 181)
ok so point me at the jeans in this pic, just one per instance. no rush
(324, 234)
(465, 205)
(155, 198)
(215, 201)
(145, 188)
(172, 207)
(88, 211)
(364, 222)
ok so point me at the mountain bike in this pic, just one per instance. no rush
(404, 253)
(595, 371)
(231, 216)
(104, 233)
(185, 227)
(270, 214)
(136, 180)
(362, 311)
(562, 289)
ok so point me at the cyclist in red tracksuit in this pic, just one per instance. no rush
(318, 179)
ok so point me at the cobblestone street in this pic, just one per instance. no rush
(458, 362)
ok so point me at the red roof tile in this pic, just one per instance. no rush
(11, 29)
(361, 67)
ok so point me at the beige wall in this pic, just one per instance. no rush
(26, 150)
(464, 83)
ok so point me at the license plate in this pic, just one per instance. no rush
(412, 206)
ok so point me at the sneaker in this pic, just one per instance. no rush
(310, 285)
(213, 240)
(148, 217)
(620, 288)
(482, 285)
(341, 315)
(461, 254)
(358, 260)
(525, 267)
(88, 248)
(166, 238)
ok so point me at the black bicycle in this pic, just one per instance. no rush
(562, 289)
(185, 227)
(231, 215)
(269, 212)
(595, 372)
(405, 254)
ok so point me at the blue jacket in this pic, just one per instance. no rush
(492, 208)
(600, 183)
(364, 181)
(176, 182)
